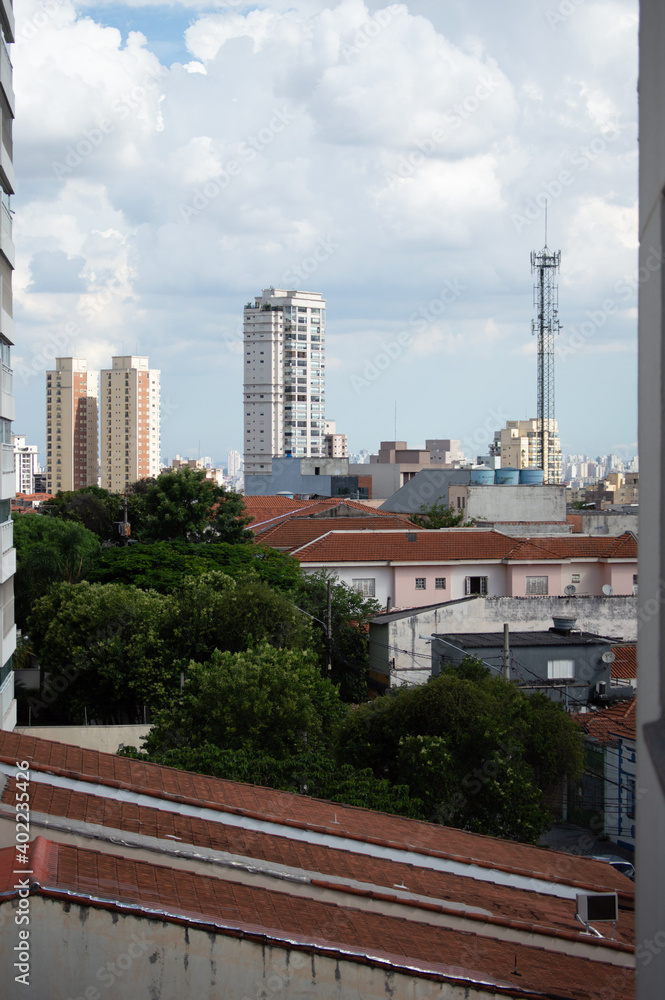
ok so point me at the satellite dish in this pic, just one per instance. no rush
(570, 590)
(608, 657)
(607, 590)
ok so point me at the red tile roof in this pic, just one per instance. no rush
(460, 544)
(265, 509)
(610, 723)
(338, 877)
(624, 666)
(292, 532)
(129, 886)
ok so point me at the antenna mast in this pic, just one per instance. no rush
(545, 264)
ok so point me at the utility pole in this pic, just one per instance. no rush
(506, 652)
(329, 630)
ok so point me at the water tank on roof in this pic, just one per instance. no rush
(507, 477)
(482, 476)
(531, 477)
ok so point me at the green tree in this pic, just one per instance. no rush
(350, 612)
(96, 509)
(102, 647)
(437, 515)
(477, 751)
(184, 504)
(163, 566)
(262, 701)
(48, 551)
(216, 612)
(309, 772)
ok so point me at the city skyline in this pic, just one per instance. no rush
(200, 153)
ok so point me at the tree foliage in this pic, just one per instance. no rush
(163, 566)
(350, 612)
(264, 700)
(104, 651)
(437, 515)
(477, 751)
(184, 504)
(309, 772)
(48, 551)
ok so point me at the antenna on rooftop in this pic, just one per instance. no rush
(545, 263)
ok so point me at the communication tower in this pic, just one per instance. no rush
(545, 264)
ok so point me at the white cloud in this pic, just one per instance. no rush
(408, 138)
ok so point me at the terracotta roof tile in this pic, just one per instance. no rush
(609, 723)
(127, 885)
(292, 532)
(460, 544)
(624, 666)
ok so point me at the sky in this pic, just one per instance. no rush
(174, 159)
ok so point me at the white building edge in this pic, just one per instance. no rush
(7, 407)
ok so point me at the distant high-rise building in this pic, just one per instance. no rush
(284, 377)
(25, 464)
(130, 399)
(335, 445)
(233, 462)
(518, 444)
(71, 426)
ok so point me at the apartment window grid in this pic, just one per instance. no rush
(536, 586)
(421, 583)
(440, 583)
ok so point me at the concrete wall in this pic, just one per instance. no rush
(108, 739)
(512, 503)
(615, 617)
(608, 524)
(86, 952)
(651, 652)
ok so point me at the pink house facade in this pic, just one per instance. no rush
(409, 569)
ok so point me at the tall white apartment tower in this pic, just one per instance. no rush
(71, 426)
(129, 407)
(284, 390)
(25, 464)
(7, 551)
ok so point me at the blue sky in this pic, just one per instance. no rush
(174, 159)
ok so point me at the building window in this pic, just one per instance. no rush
(536, 586)
(475, 585)
(575, 578)
(440, 583)
(560, 670)
(366, 587)
(630, 798)
(421, 583)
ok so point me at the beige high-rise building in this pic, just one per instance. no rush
(129, 400)
(71, 426)
(517, 444)
(285, 377)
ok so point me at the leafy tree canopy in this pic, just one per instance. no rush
(309, 772)
(350, 612)
(103, 649)
(48, 551)
(163, 566)
(262, 701)
(184, 504)
(477, 751)
(437, 515)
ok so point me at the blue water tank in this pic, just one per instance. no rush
(482, 477)
(531, 477)
(507, 477)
